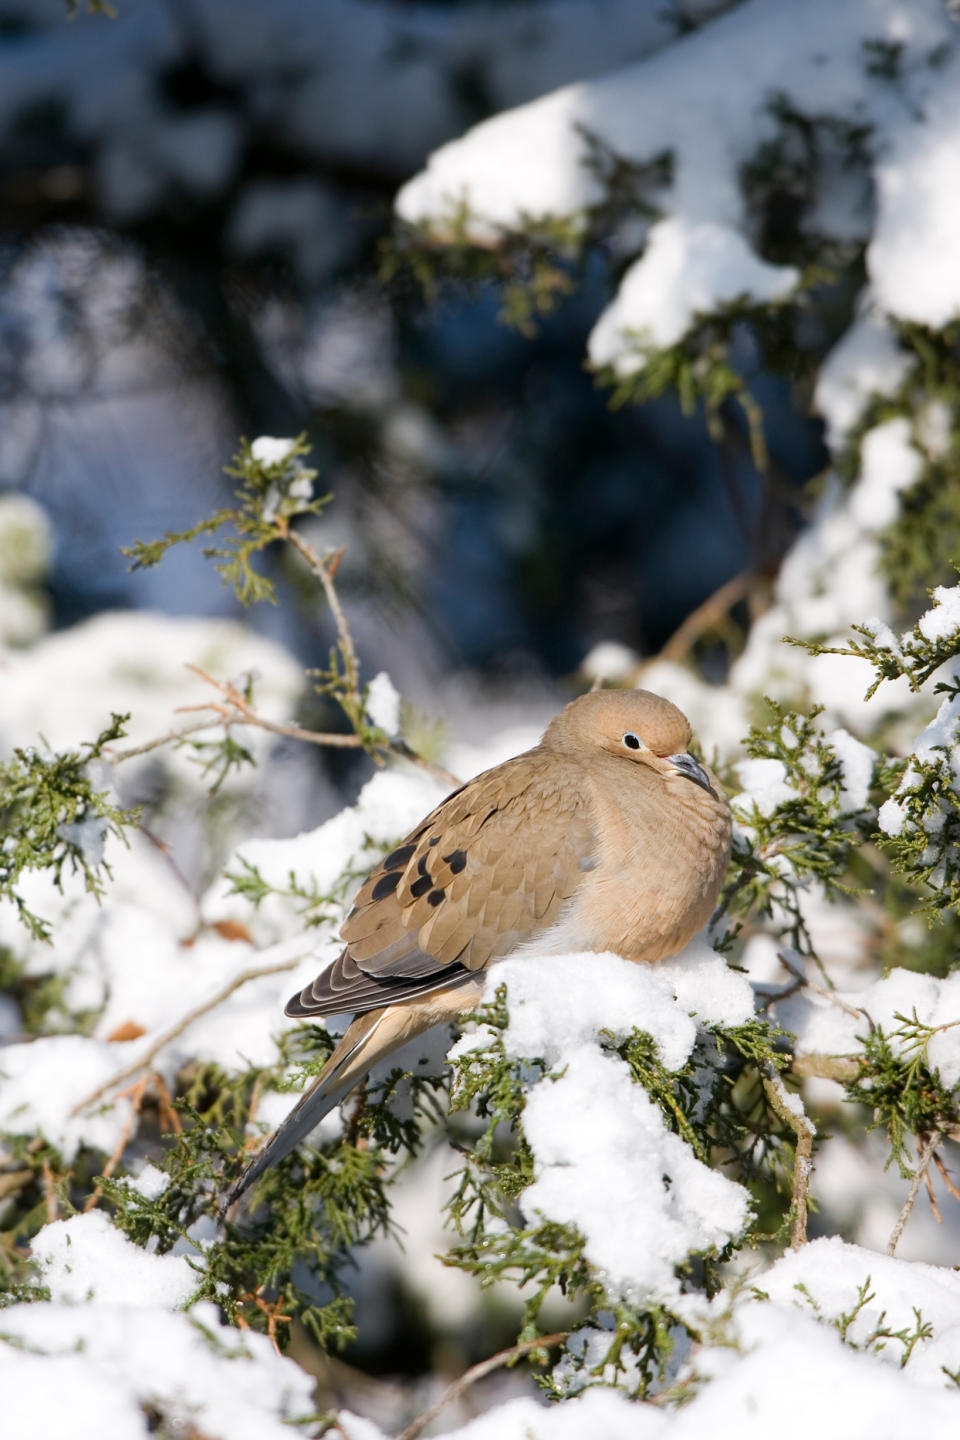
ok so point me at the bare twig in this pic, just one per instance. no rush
(136, 1093)
(945, 1176)
(325, 574)
(932, 1198)
(50, 1194)
(843, 1068)
(475, 1373)
(790, 1110)
(926, 1155)
(255, 973)
(238, 712)
(714, 609)
(854, 1011)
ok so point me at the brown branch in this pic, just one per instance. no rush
(136, 1092)
(843, 1068)
(475, 1373)
(926, 1155)
(256, 973)
(704, 618)
(781, 1103)
(325, 574)
(243, 713)
(945, 1176)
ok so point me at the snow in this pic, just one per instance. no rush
(271, 450)
(942, 620)
(889, 465)
(912, 258)
(865, 362)
(609, 661)
(533, 163)
(765, 786)
(88, 1258)
(857, 764)
(43, 1080)
(136, 662)
(836, 1025)
(687, 270)
(832, 1274)
(118, 1359)
(382, 703)
(660, 1203)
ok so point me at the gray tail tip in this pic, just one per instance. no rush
(240, 1186)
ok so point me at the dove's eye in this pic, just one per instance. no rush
(633, 742)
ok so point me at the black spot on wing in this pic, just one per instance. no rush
(421, 886)
(434, 897)
(399, 857)
(457, 860)
(386, 885)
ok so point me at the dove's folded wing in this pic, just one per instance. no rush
(488, 870)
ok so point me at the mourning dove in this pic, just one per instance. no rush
(607, 835)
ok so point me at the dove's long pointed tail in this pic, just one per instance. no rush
(356, 1052)
(368, 1039)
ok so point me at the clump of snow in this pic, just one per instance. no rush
(113, 1363)
(836, 1025)
(942, 620)
(765, 786)
(88, 1258)
(382, 703)
(891, 817)
(865, 362)
(687, 270)
(857, 763)
(661, 1202)
(609, 661)
(272, 450)
(136, 663)
(832, 1278)
(889, 465)
(40, 1082)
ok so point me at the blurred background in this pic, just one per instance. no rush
(195, 208)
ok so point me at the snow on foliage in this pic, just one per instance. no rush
(651, 1125)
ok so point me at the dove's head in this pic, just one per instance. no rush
(637, 726)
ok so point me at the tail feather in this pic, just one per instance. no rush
(335, 1081)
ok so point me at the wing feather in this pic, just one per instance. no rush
(486, 870)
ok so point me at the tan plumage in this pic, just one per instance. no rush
(605, 836)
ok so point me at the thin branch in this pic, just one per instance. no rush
(704, 618)
(136, 1092)
(256, 973)
(325, 574)
(242, 713)
(782, 1103)
(843, 1068)
(475, 1373)
(945, 1177)
(117, 755)
(926, 1155)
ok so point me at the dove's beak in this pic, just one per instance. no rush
(693, 770)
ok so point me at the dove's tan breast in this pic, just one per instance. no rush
(662, 853)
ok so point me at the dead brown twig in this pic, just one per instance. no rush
(475, 1373)
(926, 1155)
(238, 712)
(136, 1093)
(272, 1312)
